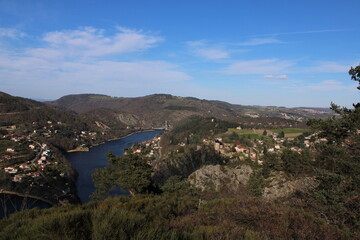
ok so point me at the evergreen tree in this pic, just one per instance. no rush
(338, 163)
(131, 172)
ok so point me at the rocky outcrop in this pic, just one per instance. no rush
(186, 163)
(129, 119)
(217, 177)
(280, 187)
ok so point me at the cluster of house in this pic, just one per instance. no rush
(237, 151)
(150, 147)
(234, 151)
(50, 130)
(30, 167)
(92, 135)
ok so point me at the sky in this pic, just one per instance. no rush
(249, 52)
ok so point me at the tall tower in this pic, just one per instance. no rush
(167, 126)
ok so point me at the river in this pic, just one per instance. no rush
(86, 162)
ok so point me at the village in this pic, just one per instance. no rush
(30, 164)
(248, 147)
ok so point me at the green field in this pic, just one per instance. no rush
(289, 130)
(257, 133)
(246, 131)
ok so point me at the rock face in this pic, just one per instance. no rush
(185, 164)
(280, 187)
(216, 177)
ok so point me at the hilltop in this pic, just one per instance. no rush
(154, 110)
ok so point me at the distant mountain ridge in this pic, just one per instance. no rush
(153, 110)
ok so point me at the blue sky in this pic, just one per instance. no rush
(283, 53)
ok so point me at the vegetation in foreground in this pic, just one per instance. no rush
(176, 214)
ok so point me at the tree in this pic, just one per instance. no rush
(355, 74)
(339, 159)
(131, 172)
(281, 134)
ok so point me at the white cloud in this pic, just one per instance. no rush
(69, 62)
(259, 41)
(262, 66)
(276, 76)
(11, 33)
(50, 79)
(92, 42)
(202, 49)
(212, 53)
(331, 67)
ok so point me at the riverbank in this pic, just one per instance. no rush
(87, 149)
(79, 149)
(86, 162)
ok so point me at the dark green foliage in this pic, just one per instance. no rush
(338, 162)
(243, 139)
(355, 74)
(295, 163)
(281, 134)
(272, 162)
(131, 172)
(175, 184)
(256, 184)
(195, 130)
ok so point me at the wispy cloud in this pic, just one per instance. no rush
(330, 67)
(11, 33)
(204, 50)
(262, 66)
(212, 53)
(260, 41)
(92, 42)
(87, 60)
(276, 76)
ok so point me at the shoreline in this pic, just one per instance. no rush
(87, 149)
(151, 131)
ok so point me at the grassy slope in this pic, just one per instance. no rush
(168, 217)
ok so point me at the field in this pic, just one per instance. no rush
(289, 130)
(246, 131)
(258, 133)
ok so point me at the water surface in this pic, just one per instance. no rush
(86, 162)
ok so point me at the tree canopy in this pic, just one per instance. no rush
(338, 161)
(130, 172)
